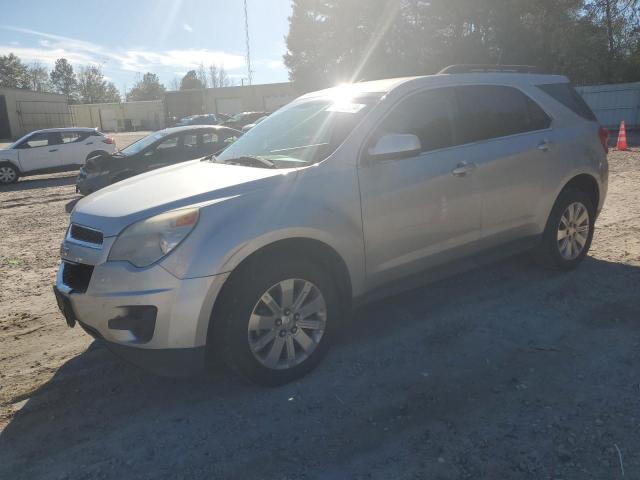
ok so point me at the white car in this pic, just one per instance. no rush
(52, 150)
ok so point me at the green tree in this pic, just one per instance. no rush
(13, 73)
(332, 41)
(93, 88)
(149, 88)
(190, 81)
(63, 79)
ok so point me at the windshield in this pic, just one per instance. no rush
(137, 147)
(304, 132)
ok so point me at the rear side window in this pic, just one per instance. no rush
(566, 95)
(492, 111)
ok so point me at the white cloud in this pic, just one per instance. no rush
(187, 27)
(80, 52)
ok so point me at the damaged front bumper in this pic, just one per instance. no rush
(145, 315)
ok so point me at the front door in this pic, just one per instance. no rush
(40, 151)
(424, 210)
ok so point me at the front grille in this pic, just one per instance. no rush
(76, 276)
(85, 234)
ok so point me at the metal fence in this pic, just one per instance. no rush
(39, 114)
(614, 103)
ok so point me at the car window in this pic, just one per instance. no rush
(168, 144)
(566, 95)
(428, 115)
(190, 140)
(70, 137)
(492, 111)
(209, 137)
(37, 140)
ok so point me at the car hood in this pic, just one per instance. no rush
(196, 182)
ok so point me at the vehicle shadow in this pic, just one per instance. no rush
(31, 183)
(477, 359)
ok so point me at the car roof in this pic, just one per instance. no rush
(385, 86)
(66, 129)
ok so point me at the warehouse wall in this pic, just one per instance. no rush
(118, 117)
(229, 100)
(28, 111)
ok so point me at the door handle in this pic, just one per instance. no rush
(53, 150)
(89, 143)
(463, 168)
(544, 145)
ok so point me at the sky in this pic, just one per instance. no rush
(166, 37)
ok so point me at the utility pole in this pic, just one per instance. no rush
(246, 33)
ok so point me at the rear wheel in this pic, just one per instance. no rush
(569, 231)
(8, 174)
(277, 320)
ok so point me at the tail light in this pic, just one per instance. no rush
(109, 141)
(603, 133)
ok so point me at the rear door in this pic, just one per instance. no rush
(40, 151)
(73, 150)
(509, 140)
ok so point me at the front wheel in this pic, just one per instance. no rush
(569, 231)
(278, 320)
(8, 174)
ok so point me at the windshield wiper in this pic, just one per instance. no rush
(252, 160)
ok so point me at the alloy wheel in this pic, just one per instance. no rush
(287, 323)
(7, 175)
(573, 231)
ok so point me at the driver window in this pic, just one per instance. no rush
(36, 140)
(168, 144)
(428, 115)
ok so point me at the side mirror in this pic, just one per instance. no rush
(395, 145)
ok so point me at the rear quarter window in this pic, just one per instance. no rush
(567, 96)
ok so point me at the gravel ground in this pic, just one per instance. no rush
(504, 372)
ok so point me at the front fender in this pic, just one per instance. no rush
(231, 230)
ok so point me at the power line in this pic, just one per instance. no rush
(246, 32)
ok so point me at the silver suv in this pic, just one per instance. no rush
(343, 195)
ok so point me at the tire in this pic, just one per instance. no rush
(239, 335)
(562, 235)
(8, 174)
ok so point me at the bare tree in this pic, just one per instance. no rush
(202, 76)
(214, 80)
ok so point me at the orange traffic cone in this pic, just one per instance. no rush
(622, 138)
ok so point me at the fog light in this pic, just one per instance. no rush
(140, 320)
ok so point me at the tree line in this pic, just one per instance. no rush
(89, 85)
(332, 41)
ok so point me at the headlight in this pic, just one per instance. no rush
(147, 241)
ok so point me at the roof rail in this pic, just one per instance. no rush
(488, 69)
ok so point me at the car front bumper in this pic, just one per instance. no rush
(147, 316)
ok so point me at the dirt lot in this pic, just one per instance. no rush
(505, 372)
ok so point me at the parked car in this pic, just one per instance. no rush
(206, 119)
(249, 126)
(239, 120)
(162, 148)
(52, 150)
(342, 196)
